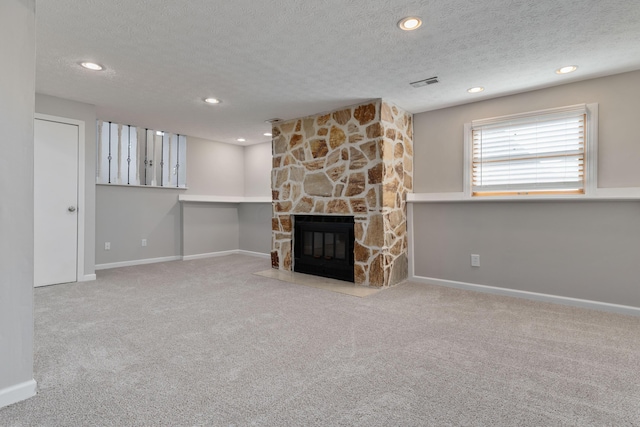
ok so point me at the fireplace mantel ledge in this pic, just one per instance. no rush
(222, 199)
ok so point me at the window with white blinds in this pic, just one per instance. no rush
(542, 153)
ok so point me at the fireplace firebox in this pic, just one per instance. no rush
(323, 246)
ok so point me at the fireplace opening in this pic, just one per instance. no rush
(323, 246)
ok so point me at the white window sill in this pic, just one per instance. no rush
(601, 194)
(222, 199)
(142, 186)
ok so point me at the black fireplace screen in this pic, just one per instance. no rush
(323, 246)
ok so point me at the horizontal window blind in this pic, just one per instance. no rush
(538, 154)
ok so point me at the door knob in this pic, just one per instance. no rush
(71, 208)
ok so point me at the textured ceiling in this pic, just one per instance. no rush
(291, 58)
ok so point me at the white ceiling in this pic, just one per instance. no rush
(291, 58)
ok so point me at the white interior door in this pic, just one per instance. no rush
(55, 202)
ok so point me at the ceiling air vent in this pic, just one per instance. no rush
(425, 82)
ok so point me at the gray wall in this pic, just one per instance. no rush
(87, 113)
(210, 227)
(214, 168)
(255, 218)
(17, 89)
(126, 215)
(257, 170)
(439, 134)
(586, 250)
(255, 227)
(596, 252)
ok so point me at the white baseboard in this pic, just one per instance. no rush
(255, 254)
(225, 253)
(87, 278)
(209, 255)
(137, 262)
(17, 393)
(576, 302)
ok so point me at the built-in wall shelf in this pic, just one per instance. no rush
(222, 199)
(601, 194)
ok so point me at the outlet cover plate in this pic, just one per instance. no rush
(475, 260)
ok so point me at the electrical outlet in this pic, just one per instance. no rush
(475, 260)
(144, 242)
(107, 246)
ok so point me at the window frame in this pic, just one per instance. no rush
(590, 153)
(139, 161)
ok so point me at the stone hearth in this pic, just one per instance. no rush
(354, 161)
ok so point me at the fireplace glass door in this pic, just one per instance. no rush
(326, 245)
(323, 245)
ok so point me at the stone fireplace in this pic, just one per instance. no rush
(356, 162)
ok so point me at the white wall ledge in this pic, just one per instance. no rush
(222, 199)
(602, 194)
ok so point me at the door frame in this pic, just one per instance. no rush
(80, 276)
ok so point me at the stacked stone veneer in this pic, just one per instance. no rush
(355, 161)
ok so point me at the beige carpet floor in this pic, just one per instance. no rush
(333, 285)
(209, 343)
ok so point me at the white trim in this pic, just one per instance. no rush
(136, 262)
(88, 278)
(410, 245)
(17, 393)
(225, 253)
(255, 254)
(575, 302)
(601, 194)
(498, 119)
(81, 185)
(590, 150)
(222, 199)
(209, 255)
(467, 162)
(435, 197)
(175, 258)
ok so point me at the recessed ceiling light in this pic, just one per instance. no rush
(567, 69)
(267, 134)
(476, 89)
(212, 101)
(241, 140)
(410, 23)
(92, 66)
(159, 133)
